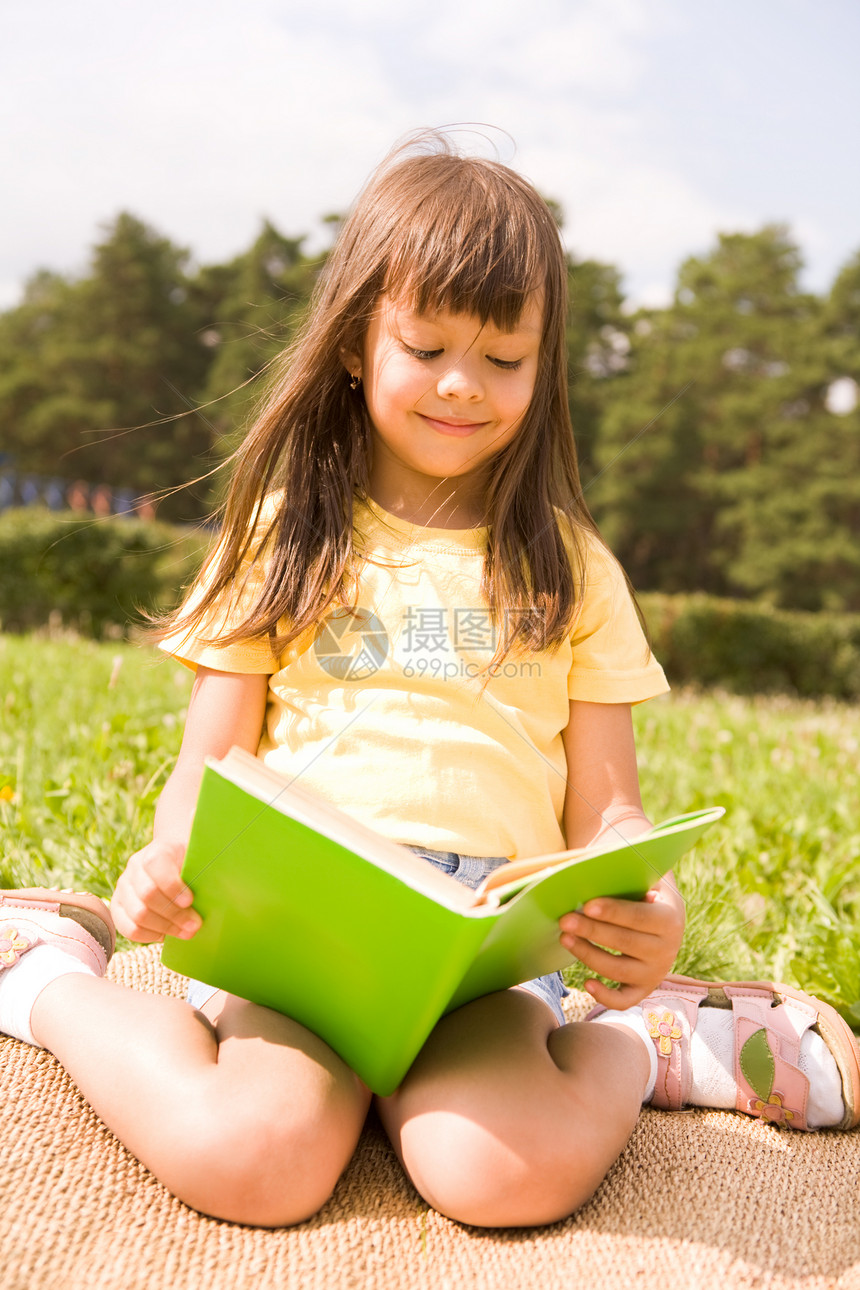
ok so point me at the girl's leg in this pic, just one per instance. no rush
(507, 1119)
(765, 1049)
(241, 1113)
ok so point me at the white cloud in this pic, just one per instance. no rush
(204, 117)
(555, 47)
(187, 132)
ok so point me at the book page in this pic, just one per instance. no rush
(494, 889)
(535, 867)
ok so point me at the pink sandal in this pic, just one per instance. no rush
(71, 920)
(770, 1022)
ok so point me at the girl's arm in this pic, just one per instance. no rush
(150, 899)
(602, 799)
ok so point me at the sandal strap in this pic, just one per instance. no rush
(768, 1034)
(72, 921)
(769, 1022)
(670, 1018)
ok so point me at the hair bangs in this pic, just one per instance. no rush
(470, 245)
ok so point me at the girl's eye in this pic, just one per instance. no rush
(507, 365)
(422, 353)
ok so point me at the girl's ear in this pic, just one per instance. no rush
(352, 362)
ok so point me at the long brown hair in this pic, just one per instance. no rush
(446, 232)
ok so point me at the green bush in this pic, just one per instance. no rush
(753, 649)
(97, 575)
(94, 575)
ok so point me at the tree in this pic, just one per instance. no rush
(722, 468)
(841, 321)
(713, 450)
(253, 306)
(598, 344)
(94, 371)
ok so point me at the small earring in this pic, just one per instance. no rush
(354, 381)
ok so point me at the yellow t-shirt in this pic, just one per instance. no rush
(383, 711)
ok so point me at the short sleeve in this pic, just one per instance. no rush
(194, 646)
(612, 661)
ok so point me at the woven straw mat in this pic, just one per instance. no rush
(698, 1199)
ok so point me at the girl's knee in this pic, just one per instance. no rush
(473, 1176)
(261, 1173)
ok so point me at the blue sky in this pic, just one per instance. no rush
(656, 123)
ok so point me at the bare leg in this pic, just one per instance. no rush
(507, 1119)
(242, 1113)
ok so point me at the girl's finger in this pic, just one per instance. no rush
(142, 901)
(638, 915)
(162, 867)
(623, 996)
(636, 943)
(617, 967)
(137, 922)
(152, 878)
(144, 890)
(129, 926)
(144, 912)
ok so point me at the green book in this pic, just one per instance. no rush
(312, 914)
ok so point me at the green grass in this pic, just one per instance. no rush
(774, 891)
(89, 734)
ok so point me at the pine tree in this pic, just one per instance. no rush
(723, 470)
(253, 306)
(94, 372)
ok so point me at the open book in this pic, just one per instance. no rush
(359, 939)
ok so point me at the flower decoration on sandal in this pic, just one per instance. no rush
(13, 944)
(769, 1023)
(758, 1065)
(664, 1028)
(72, 921)
(772, 1110)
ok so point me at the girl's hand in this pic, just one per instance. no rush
(647, 935)
(150, 900)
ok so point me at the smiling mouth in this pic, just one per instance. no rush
(453, 425)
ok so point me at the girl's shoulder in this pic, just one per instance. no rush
(238, 553)
(605, 602)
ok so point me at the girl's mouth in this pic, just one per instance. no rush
(455, 426)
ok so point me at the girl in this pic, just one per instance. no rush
(411, 609)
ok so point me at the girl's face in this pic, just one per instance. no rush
(445, 394)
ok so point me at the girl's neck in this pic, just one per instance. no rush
(433, 511)
(430, 503)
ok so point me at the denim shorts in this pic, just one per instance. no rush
(471, 872)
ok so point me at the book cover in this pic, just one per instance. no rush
(357, 938)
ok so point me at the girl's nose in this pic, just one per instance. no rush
(461, 381)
